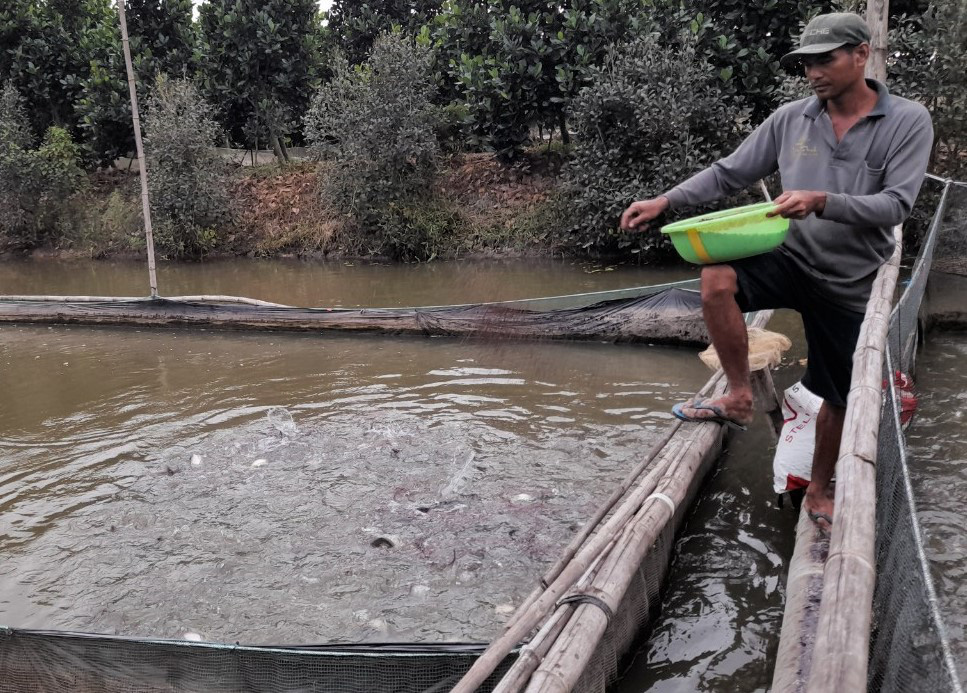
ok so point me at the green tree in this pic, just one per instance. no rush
(162, 42)
(743, 40)
(36, 184)
(929, 56)
(355, 25)
(258, 64)
(375, 125)
(518, 64)
(60, 40)
(14, 24)
(189, 182)
(650, 119)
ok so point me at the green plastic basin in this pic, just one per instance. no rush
(730, 234)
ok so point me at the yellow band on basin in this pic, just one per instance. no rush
(698, 246)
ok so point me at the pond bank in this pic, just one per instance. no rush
(479, 207)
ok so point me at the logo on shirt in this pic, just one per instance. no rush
(802, 148)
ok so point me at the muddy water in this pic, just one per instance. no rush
(272, 488)
(938, 453)
(335, 285)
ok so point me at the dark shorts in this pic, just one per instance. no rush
(773, 280)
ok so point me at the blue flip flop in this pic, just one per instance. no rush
(719, 417)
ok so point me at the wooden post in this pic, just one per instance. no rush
(139, 146)
(877, 16)
(767, 399)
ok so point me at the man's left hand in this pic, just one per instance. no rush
(799, 204)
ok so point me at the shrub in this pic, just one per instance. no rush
(36, 185)
(376, 126)
(928, 55)
(651, 119)
(188, 180)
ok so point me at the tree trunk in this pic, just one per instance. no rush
(565, 138)
(281, 155)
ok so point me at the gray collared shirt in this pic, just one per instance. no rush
(871, 178)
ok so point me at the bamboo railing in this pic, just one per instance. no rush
(846, 609)
(829, 601)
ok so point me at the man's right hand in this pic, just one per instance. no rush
(637, 216)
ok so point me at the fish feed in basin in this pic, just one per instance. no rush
(729, 234)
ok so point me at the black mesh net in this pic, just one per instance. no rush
(909, 649)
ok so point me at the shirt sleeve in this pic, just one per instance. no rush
(905, 164)
(756, 158)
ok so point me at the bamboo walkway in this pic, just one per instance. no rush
(827, 633)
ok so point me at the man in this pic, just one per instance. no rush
(851, 160)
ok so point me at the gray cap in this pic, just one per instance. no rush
(826, 33)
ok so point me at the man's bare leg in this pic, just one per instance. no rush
(829, 432)
(728, 332)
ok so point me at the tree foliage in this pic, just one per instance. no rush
(36, 185)
(515, 64)
(650, 119)
(259, 64)
(162, 42)
(59, 41)
(743, 40)
(354, 25)
(189, 182)
(929, 64)
(375, 125)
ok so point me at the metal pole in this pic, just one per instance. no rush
(142, 164)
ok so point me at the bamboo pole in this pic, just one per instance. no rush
(804, 587)
(668, 467)
(845, 612)
(539, 608)
(135, 299)
(533, 653)
(591, 525)
(572, 652)
(139, 146)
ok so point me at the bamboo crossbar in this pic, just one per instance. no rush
(538, 609)
(573, 651)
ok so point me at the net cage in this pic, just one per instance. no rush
(40, 661)
(909, 647)
(37, 660)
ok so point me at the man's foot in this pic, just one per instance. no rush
(731, 410)
(819, 506)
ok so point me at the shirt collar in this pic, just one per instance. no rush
(815, 106)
